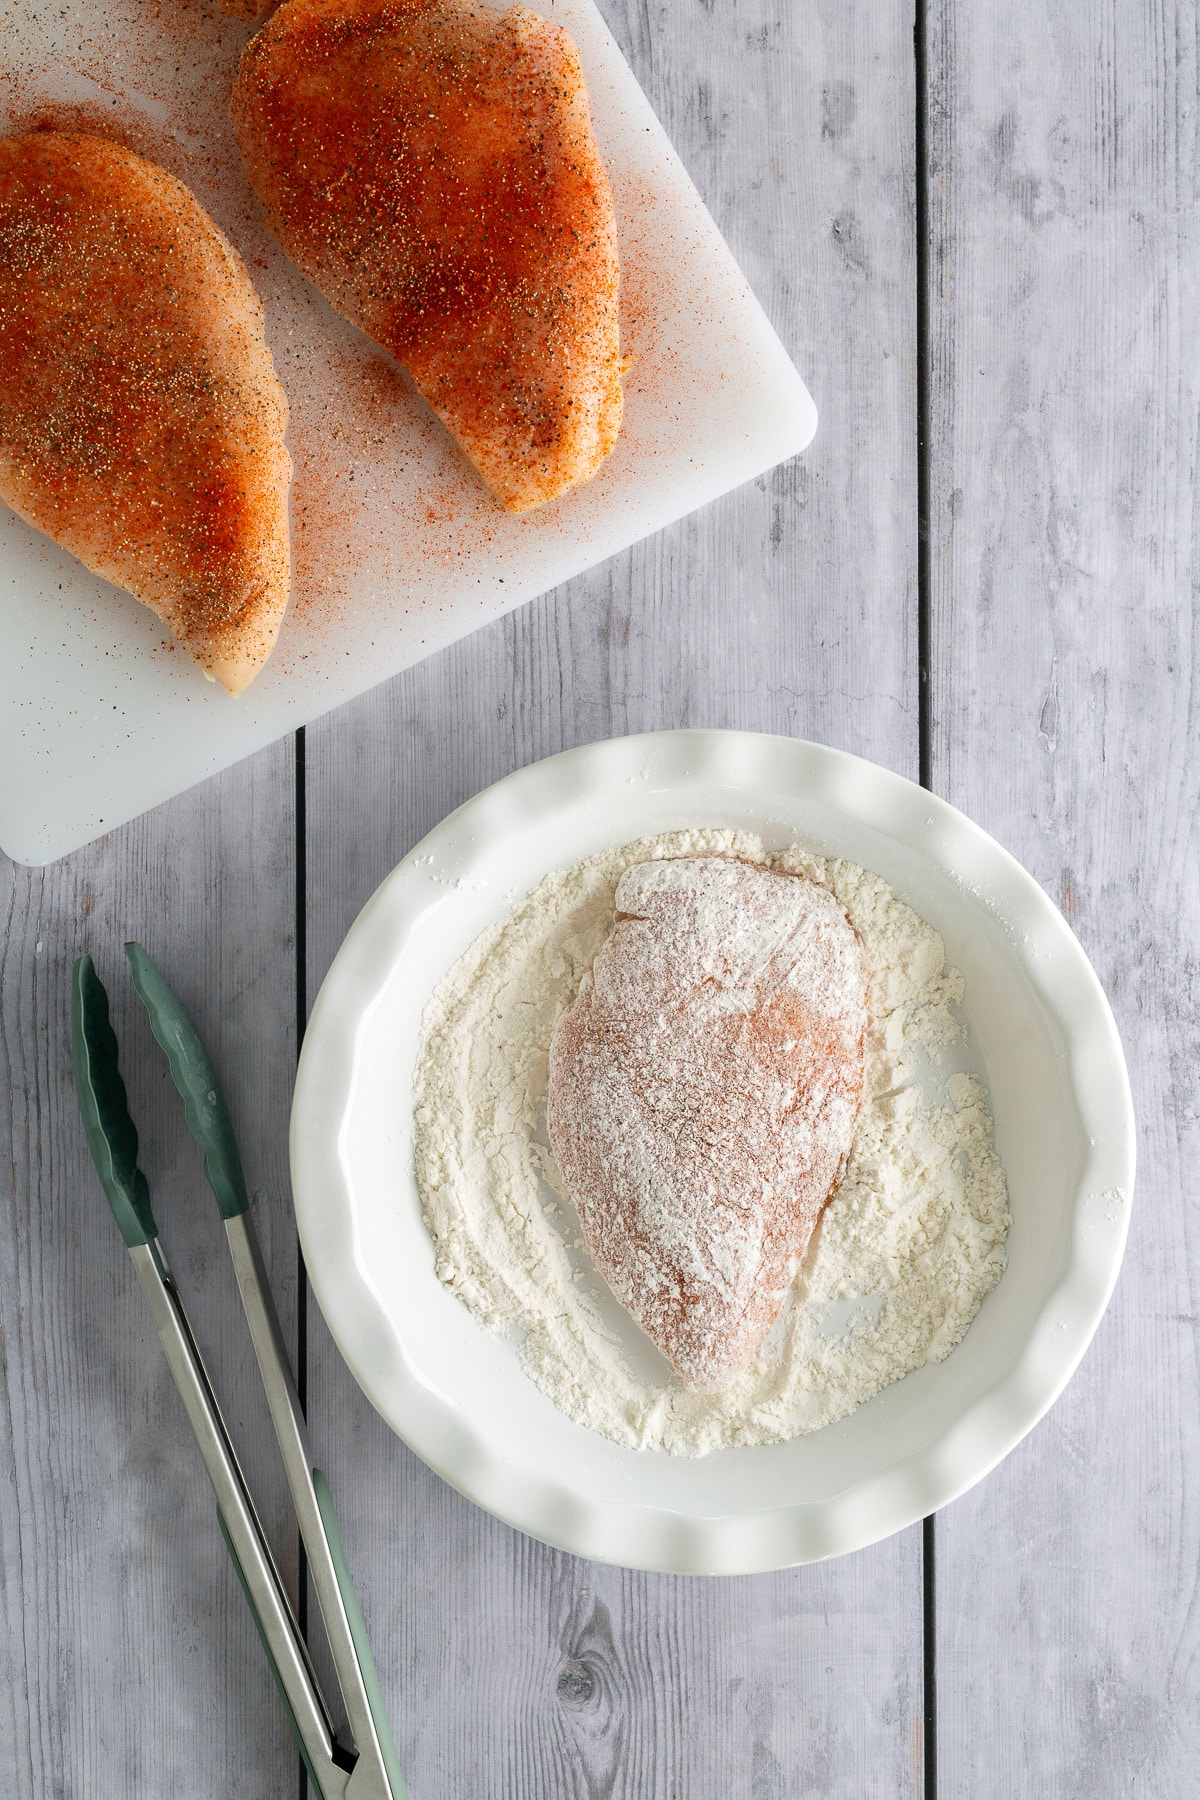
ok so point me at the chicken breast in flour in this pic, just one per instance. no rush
(430, 166)
(704, 1087)
(141, 423)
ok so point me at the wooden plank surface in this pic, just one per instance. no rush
(1064, 393)
(128, 1662)
(790, 606)
(1066, 257)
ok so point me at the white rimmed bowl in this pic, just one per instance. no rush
(1064, 1130)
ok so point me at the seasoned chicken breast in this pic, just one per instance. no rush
(141, 423)
(430, 166)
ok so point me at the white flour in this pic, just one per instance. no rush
(909, 1245)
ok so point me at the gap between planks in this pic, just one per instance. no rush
(924, 747)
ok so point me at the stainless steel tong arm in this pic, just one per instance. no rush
(371, 1779)
(242, 1526)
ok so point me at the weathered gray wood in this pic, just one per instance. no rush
(1065, 394)
(789, 607)
(128, 1662)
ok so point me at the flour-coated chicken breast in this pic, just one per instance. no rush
(430, 166)
(703, 1090)
(141, 422)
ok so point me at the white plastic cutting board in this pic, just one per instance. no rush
(398, 548)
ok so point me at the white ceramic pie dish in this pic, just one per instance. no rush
(1045, 1038)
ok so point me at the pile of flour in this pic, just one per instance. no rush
(908, 1247)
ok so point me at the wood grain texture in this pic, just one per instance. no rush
(128, 1662)
(789, 606)
(1064, 394)
(1066, 389)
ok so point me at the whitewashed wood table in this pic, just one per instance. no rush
(979, 239)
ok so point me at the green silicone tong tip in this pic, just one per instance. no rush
(193, 1074)
(111, 1133)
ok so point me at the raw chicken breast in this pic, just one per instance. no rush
(141, 423)
(430, 166)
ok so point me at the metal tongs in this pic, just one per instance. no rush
(371, 1770)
